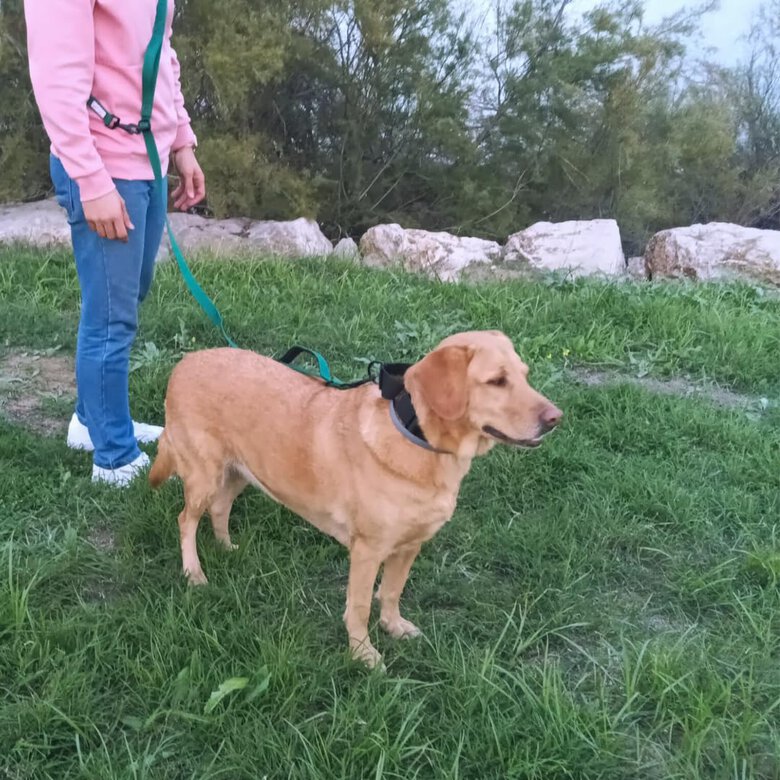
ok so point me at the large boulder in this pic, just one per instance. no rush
(221, 238)
(297, 238)
(716, 251)
(581, 248)
(438, 255)
(224, 238)
(44, 223)
(41, 223)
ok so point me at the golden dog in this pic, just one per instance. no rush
(341, 459)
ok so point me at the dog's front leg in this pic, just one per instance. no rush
(364, 564)
(394, 577)
(188, 529)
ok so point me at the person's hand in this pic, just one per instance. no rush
(192, 182)
(107, 216)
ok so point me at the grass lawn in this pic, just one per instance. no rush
(607, 606)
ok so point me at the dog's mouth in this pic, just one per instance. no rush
(504, 439)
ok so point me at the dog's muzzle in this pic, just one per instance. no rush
(548, 421)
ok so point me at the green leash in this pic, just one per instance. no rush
(151, 68)
(144, 127)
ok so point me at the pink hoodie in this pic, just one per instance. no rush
(82, 47)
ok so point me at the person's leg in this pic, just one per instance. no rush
(155, 225)
(78, 433)
(109, 274)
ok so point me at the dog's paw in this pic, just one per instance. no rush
(226, 544)
(401, 628)
(196, 578)
(367, 654)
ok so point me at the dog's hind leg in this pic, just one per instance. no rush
(220, 506)
(197, 496)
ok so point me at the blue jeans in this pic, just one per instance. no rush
(114, 277)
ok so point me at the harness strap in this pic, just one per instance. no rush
(391, 379)
(402, 411)
(391, 386)
(412, 432)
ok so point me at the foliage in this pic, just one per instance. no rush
(356, 112)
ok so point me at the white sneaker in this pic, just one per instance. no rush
(122, 476)
(79, 438)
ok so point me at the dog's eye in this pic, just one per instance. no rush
(499, 381)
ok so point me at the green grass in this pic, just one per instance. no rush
(607, 606)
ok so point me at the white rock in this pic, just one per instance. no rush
(635, 268)
(226, 238)
(42, 223)
(716, 251)
(347, 249)
(221, 238)
(439, 255)
(582, 248)
(297, 238)
(384, 245)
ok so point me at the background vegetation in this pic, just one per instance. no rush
(357, 112)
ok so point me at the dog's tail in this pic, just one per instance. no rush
(162, 468)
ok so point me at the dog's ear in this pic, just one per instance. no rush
(440, 378)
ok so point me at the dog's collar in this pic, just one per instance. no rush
(402, 411)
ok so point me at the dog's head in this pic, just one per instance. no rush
(474, 388)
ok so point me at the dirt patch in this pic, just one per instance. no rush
(102, 539)
(718, 396)
(27, 381)
(101, 590)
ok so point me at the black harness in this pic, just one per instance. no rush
(390, 379)
(402, 411)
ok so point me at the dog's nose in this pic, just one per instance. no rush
(550, 417)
